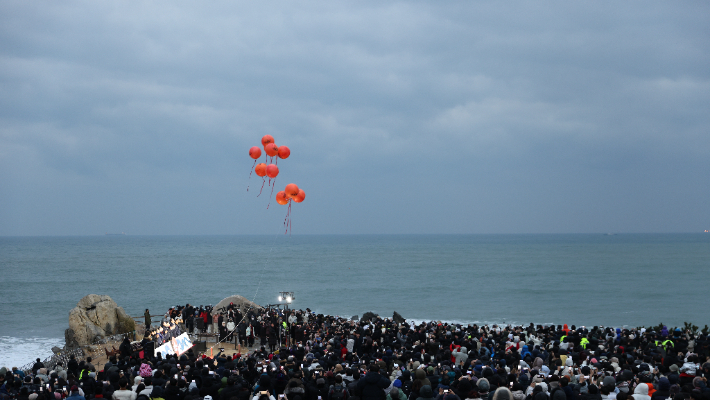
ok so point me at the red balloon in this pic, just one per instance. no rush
(266, 140)
(255, 152)
(300, 196)
(260, 169)
(271, 149)
(291, 190)
(272, 170)
(284, 152)
(281, 198)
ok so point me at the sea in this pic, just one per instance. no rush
(620, 280)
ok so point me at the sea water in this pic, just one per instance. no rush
(583, 279)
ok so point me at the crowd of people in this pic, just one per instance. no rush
(304, 356)
(228, 324)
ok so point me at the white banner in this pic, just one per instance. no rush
(177, 345)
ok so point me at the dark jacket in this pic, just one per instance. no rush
(372, 386)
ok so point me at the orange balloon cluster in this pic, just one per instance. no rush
(271, 150)
(291, 192)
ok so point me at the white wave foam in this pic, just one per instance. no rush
(16, 352)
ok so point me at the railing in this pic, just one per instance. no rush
(51, 362)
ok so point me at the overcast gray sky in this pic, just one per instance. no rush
(402, 117)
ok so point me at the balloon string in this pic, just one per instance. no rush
(272, 194)
(252, 170)
(287, 220)
(262, 186)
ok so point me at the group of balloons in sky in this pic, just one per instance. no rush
(291, 191)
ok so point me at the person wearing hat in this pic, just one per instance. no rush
(136, 381)
(75, 395)
(425, 393)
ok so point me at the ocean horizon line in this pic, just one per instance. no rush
(356, 234)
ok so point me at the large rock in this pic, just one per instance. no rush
(240, 302)
(398, 318)
(369, 316)
(94, 318)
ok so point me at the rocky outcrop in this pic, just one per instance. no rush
(398, 318)
(94, 318)
(240, 302)
(368, 316)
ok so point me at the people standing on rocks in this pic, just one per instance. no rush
(204, 316)
(199, 320)
(215, 322)
(146, 315)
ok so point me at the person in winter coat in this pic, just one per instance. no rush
(592, 393)
(420, 375)
(525, 352)
(518, 392)
(372, 386)
(460, 355)
(558, 394)
(502, 393)
(664, 389)
(352, 386)
(123, 393)
(396, 394)
(483, 387)
(425, 393)
(293, 389)
(137, 381)
(338, 390)
(75, 395)
(641, 392)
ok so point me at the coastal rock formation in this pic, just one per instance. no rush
(94, 318)
(398, 318)
(368, 316)
(240, 302)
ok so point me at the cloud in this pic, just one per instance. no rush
(517, 108)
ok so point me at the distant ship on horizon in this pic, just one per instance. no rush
(115, 234)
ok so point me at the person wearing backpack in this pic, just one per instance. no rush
(338, 391)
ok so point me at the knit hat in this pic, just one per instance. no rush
(397, 383)
(483, 384)
(673, 368)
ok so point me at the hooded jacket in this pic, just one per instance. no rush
(425, 393)
(502, 393)
(420, 375)
(372, 386)
(641, 392)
